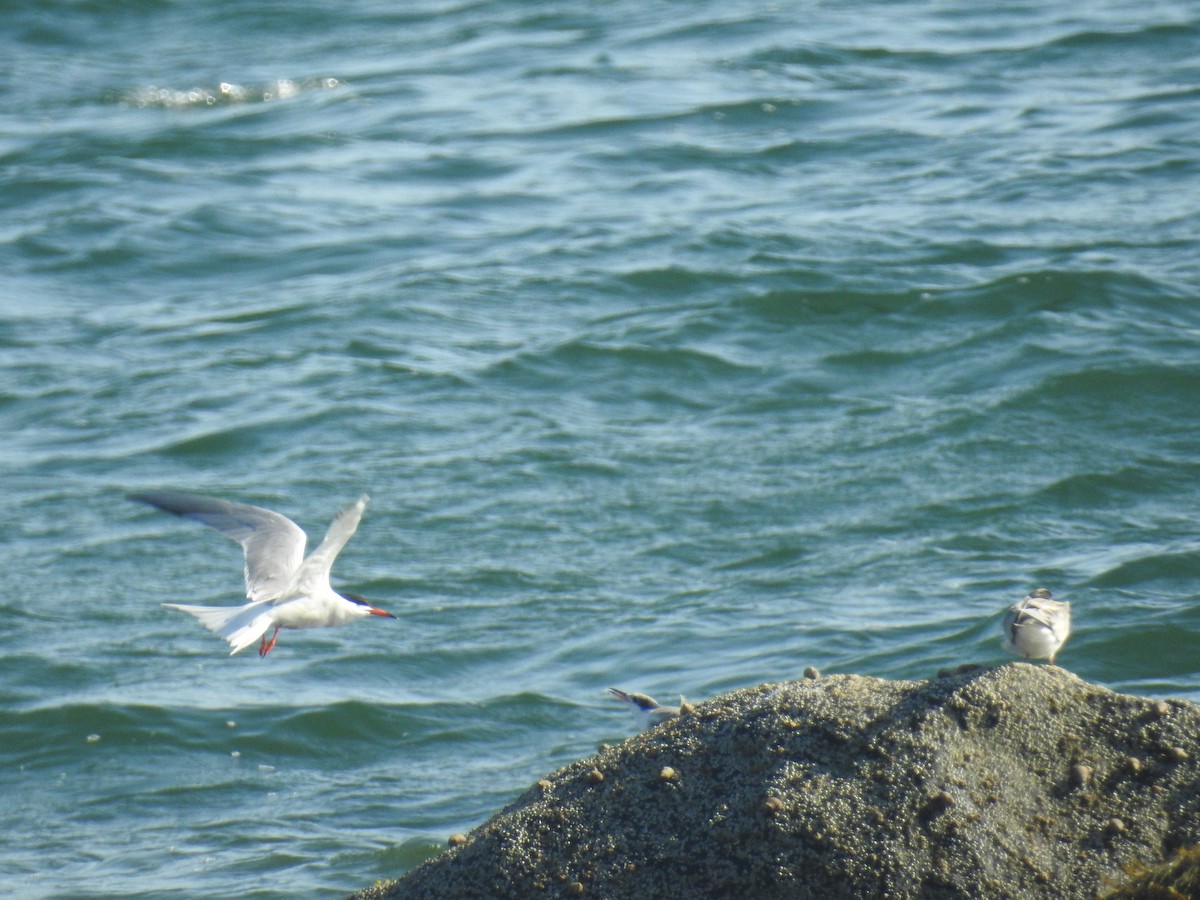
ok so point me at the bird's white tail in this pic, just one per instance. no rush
(241, 626)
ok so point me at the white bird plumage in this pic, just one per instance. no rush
(1038, 626)
(285, 588)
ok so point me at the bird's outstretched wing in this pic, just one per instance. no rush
(313, 575)
(273, 544)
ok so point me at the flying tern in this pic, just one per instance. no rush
(286, 589)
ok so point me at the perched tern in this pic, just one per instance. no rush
(285, 588)
(1037, 627)
(647, 708)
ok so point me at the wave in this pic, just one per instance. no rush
(1154, 36)
(349, 731)
(1156, 567)
(1118, 486)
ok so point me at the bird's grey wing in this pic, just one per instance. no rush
(1038, 614)
(273, 544)
(1009, 627)
(314, 571)
(641, 701)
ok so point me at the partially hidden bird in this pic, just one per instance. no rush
(286, 589)
(1038, 626)
(647, 709)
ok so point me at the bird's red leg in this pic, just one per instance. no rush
(264, 648)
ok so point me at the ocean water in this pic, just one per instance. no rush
(679, 347)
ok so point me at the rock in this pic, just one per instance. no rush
(1011, 782)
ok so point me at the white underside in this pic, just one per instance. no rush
(1033, 640)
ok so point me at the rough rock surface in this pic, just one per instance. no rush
(1015, 781)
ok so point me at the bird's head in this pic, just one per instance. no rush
(368, 609)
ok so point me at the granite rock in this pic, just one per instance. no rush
(1007, 782)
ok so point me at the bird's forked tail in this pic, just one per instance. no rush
(241, 626)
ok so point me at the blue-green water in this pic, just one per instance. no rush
(679, 346)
